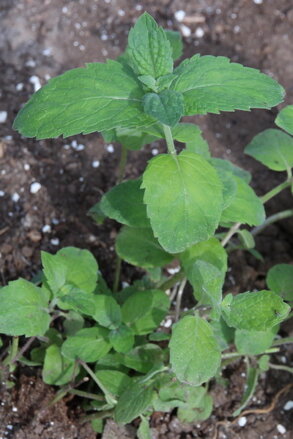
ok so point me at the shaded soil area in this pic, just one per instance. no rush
(47, 187)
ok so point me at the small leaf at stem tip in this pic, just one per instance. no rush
(166, 107)
(285, 119)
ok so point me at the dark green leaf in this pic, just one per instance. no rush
(194, 352)
(254, 342)
(175, 40)
(122, 339)
(88, 344)
(133, 402)
(199, 406)
(23, 309)
(139, 247)
(106, 311)
(212, 84)
(167, 107)
(78, 301)
(285, 119)
(114, 381)
(57, 370)
(228, 166)
(84, 100)
(280, 280)
(272, 148)
(246, 238)
(143, 358)
(184, 199)
(191, 135)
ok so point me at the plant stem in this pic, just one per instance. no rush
(122, 164)
(169, 283)
(272, 219)
(169, 139)
(281, 341)
(117, 274)
(230, 233)
(108, 395)
(23, 350)
(276, 190)
(281, 367)
(86, 395)
(179, 299)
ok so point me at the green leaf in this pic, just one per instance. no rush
(199, 406)
(251, 382)
(73, 323)
(272, 148)
(106, 311)
(57, 370)
(245, 207)
(139, 247)
(223, 333)
(132, 403)
(167, 107)
(191, 135)
(143, 311)
(122, 339)
(78, 301)
(212, 84)
(263, 363)
(285, 119)
(254, 342)
(184, 199)
(175, 41)
(96, 214)
(84, 100)
(257, 311)
(144, 430)
(194, 352)
(280, 280)
(143, 358)
(70, 267)
(229, 186)
(205, 265)
(124, 203)
(114, 381)
(246, 238)
(23, 309)
(133, 139)
(228, 166)
(88, 344)
(149, 51)
(149, 81)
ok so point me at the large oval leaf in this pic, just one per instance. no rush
(183, 195)
(194, 352)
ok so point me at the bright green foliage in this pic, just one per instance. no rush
(144, 431)
(144, 310)
(107, 311)
(140, 247)
(57, 370)
(205, 265)
(245, 207)
(88, 344)
(194, 352)
(223, 333)
(78, 301)
(167, 107)
(133, 402)
(70, 267)
(175, 40)
(191, 135)
(225, 165)
(212, 84)
(149, 51)
(23, 310)
(273, 148)
(130, 138)
(124, 203)
(254, 311)
(143, 358)
(114, 381)
(251, 382)
(246, 239)
(122, 338)
(198, 407)
(182, 213)
(285, 119)
(280, 280)
(254, 342)
(84, 100)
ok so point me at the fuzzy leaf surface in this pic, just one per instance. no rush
(114, 381)
(183, 195)
(133, 402)
(122, 339)
(167, 107)
(256, 311)
(285, 119)
(191, 135)
(88, 344)
(273, 148)
(280, 280)
(84, 100)
(194, 352)
(254, 342)
(57, 370)
(106, 312)
(149, 51)
(212, 84)
(23, 309)
(175, 41)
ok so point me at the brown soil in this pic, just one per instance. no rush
(44, 39)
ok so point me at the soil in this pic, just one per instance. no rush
(39, 40)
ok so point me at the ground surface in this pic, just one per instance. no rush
(39, 40)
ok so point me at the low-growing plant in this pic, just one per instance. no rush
(78, 327)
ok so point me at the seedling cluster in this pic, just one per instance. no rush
(187, 206)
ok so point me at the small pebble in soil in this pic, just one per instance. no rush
(185, 30)
(155, 151)
(36, 82)
(199, 33)
(3, 116)
(236, 29)
(47, 51)
(35, 187)
(9, 427)
(138, 7)
(65, 9)
(55, 221)
(30, 63)
(19, 87)
(242, 421)
(55, 241)
(258, 2)
(179, 15)
(15, 197)
(167, 323)
(281, 429)
(288, 405)
(95, 164)
(121, 12)
(46, 228)
(14, 409)
(26, 167)
(125, 284)
(173, 270)
(2, 193)
(110, 148)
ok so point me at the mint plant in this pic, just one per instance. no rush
(177, 210)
